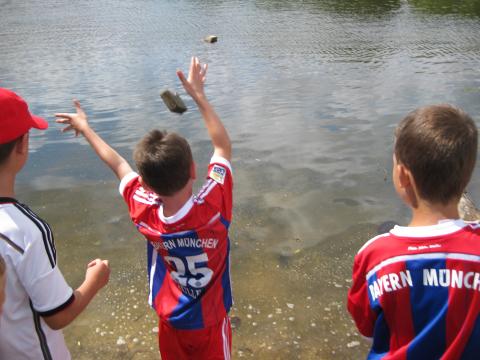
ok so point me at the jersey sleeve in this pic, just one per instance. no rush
(358, 302)
(139, 200)
(44, 283)
(218, 189)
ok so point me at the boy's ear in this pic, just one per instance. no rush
(21, 147)
(407, 183)
(193, 170)
(404, 176)
(145, 186)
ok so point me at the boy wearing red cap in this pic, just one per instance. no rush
(38, 302)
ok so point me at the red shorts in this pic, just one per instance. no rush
(212, 343)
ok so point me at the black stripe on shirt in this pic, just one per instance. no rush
(50, 237)
(39, 223)
(41, 335)
(58, 308)
(11, 243)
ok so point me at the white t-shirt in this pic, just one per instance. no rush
(35, 286)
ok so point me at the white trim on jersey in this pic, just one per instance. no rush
(427, 256)
(444, 227)
(214, 218)
(180, 214)
(205, 190)
(152, 276)
(225, 336)
(220, 160)
(149, 228)
(143, 200)
(125, 180)
(371, 241)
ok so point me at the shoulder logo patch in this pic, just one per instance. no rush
(218, 174)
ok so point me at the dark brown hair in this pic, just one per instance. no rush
(438, 144)
(6, 150)
(163, 161)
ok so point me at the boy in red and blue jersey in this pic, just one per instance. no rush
(188, 246)
(416, 289)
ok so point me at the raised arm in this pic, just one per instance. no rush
(79, 123)
(194, 87)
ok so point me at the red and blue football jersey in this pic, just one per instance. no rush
(188, 252)
(416, 292)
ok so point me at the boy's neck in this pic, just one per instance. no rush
(172, 204)
(426, 214)
(7, 184)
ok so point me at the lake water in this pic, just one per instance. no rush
(310, 92)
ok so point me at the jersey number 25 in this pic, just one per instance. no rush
(196, 277)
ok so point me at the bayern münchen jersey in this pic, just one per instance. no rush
(188, 253)
(416, 291)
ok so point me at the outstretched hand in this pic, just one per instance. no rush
(196, 79)
(75, 121)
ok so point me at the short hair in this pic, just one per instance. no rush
(6, 149)
(2, 266)
(163, 161)
(438, 144)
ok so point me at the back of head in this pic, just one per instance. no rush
(163, 161)
(438, 144)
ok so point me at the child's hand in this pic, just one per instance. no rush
(98, 272)
(77, 122)
(196, 79)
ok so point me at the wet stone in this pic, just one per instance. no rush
(211, 39)
(235, 321)
(386, 227)
(173, 101)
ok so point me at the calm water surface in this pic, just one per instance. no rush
(310, 92)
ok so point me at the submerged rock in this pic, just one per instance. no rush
(386, 226)
(235, 322)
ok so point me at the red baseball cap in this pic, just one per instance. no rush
(15, 118)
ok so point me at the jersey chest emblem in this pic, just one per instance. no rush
(218, 174)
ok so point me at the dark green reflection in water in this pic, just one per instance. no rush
(370, 7)
(377, 8)
(469, 8)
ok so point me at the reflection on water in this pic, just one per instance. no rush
(310, 92)
(469, 8)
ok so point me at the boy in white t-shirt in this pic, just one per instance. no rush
(38, 301)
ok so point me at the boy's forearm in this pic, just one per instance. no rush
(217, 132)
(83, 295)
(107, 154)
